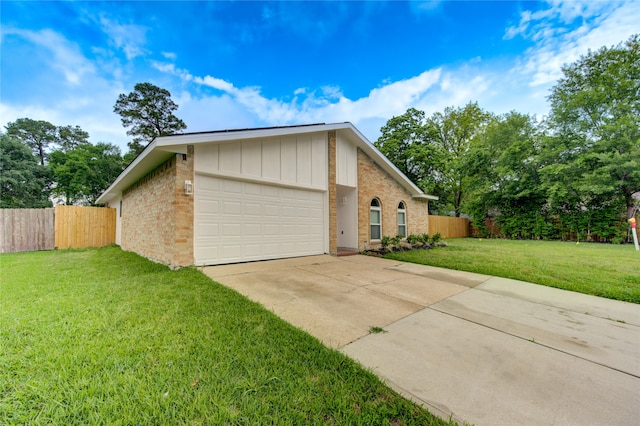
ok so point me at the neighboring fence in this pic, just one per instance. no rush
(77, 226)
(62, 227)
(449, 227)
(26, 230)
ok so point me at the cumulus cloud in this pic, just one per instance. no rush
(84, 97)
(327, 104)
(61, 54)
(565, 31)
(86, 88)
(130, 38)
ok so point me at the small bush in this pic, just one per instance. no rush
(385, 241)
(414, 240)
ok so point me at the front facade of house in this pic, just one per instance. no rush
(245, 195)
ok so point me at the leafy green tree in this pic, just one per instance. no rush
(23, 182)
(84, 172)
(452, 133)
(593, 153)
(70, 137)
(148, 112)
(504, 178)
(36, 134)
(403, 141)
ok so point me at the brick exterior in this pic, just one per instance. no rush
(373, 182)
(157, 216)
(333, 225)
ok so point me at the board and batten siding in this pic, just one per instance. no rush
(347, 167)
(296, 161)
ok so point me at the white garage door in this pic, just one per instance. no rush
(237, 221)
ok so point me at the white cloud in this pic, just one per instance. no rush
(601, 24)
(326, 104)
(62, 55)
(217, 83)
(129, 37)
(84, 97)
(88, 88)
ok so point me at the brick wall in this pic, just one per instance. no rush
(373, 182)
(157, 216)
(183, 250)
(333, 226)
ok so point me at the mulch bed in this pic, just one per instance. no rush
(379, 252)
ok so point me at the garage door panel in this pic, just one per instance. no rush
(210, 229)
(240, 221)
(253, 209)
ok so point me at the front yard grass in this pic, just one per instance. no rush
(605, 270)
(104, 336)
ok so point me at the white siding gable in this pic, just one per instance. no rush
(297, 160)
(347, 159)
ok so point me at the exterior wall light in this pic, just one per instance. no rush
(188, 187)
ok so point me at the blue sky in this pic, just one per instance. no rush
(249, 64)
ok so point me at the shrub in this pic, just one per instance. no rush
(414, 240)
(385, 241)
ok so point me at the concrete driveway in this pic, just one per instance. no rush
(484, 350)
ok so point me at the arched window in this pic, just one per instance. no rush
(402, 219)
(375, 219)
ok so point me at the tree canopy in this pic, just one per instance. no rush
(83, 173)
(453, 132)
(575, 174)
(42, 163)
(36, 134)
(593, 153)
(148, 112)
(24, 183)
(404, 142)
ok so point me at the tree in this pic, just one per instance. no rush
(504, 179)
(23, 182)
(404, 143)
(148, 111)
(36, 134)
(593, 154)
(70, 137)
(84, 172)
(452, 132)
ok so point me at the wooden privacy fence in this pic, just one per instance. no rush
(449, 227)
(77, 226)
(62, 227)
(26, 230)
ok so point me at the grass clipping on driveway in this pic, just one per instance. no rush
(104, 336)
(605, 270)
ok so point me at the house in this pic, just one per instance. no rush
(253, 194)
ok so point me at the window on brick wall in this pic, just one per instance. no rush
(375, 219)
(402, 219)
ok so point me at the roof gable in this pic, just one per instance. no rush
(163, 147)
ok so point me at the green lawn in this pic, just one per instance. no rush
(103, 336)
(606, 270)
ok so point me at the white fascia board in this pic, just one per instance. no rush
(169, 142)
